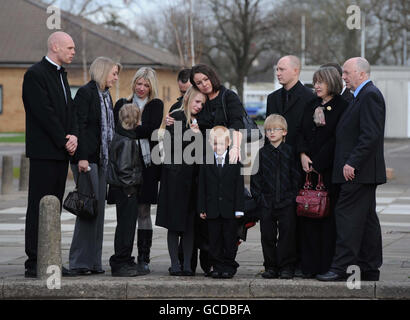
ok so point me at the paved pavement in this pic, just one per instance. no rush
(393, 207)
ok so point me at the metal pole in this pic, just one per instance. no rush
(363, 46)
(303, 44)
(191, 31)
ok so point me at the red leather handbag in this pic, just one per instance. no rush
(313, 203)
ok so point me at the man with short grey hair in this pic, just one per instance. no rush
(359, 167)
(51, 134)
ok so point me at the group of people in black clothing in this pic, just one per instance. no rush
(202, 202)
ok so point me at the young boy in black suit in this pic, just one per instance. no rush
(274, 187)
(221, 203)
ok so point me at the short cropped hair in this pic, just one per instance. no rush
(184, 75)
(129, 116)
(331, 77)
(275, 121)
(219, 132)
(209, 72)
(100, 68)
(149, 75)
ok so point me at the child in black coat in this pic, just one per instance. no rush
(221, 203)
(124, 176)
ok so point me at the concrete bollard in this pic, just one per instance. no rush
(24, 173)
(7, 175)
(49, 238)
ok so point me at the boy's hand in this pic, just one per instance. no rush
(203, 215)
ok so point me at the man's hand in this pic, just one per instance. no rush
(71, 145)
(348, 172)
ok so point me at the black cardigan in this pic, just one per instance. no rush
(48, 117)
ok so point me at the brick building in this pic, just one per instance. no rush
(23, 42)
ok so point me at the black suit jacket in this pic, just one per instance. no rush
(49, 118)
(88, 107)
(220, 194)
(293, 114)
(360, 138)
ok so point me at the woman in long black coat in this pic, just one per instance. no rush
(316, 144)
(144, 95)
(176, 204)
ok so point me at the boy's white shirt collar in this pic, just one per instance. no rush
(223, 156)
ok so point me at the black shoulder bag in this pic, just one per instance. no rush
(248, 123)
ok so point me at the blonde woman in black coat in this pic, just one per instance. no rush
(145, 96)
(316, 146)
(94, 110)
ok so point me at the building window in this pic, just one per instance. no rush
(1, 99)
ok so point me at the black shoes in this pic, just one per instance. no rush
(286, 274)
(183, 273)
(126, 270)
(330, 276)
(30, 273)
(270, 274)
(143, 268)
(222, 275)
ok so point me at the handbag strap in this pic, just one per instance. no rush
(224, 106)
(89, 181)
(308, 184)
(320, 185)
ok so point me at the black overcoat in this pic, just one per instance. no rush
(293, 113)
(49, 118)
(176, 201)
(319, 142)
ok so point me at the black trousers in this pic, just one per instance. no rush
(127, 214)
(318, 240)
(223, 237)
(46, 177)
(278, 238)
(359, 239)
(201, 243)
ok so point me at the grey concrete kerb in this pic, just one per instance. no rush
(171, 288)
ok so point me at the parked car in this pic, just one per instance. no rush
(261, 114)
(253, 108)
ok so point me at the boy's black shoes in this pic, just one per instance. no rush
(125, 270)
(222, 275)
(270, 274)
(286, 274)
(330, 276)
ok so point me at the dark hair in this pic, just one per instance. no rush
(334, 65)
(209, 72)
(183, 75)
(331, 77)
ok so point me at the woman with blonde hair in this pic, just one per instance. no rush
(94, 108)
(177, 195)
(144, 94)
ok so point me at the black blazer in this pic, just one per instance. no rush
(360, 138)
(319, 142)
(300, 97)
(48, 117)
(220, 194)
(88, 107)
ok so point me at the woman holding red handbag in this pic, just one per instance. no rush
(316, 144)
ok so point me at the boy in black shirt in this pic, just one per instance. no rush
(274, 188)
